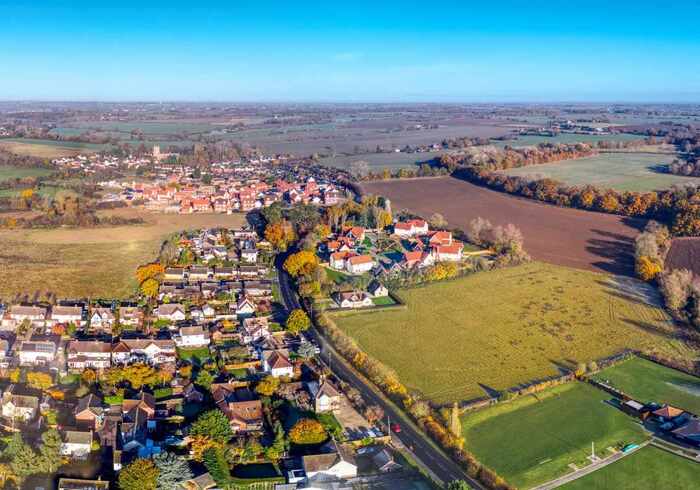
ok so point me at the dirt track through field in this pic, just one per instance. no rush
(563, 236)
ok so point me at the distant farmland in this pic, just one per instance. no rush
(563, 236)
(380, 161)
(48, 148)
(497, 329)
(90, 262)
(620, 171)
(566, 138)
(8, 173)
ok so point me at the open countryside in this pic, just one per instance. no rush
(621, 171)
(569, 237)
(494, 330)
(534, 439)
(100, 262)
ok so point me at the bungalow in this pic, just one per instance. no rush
(440, 238)
(102, 318)
(173, 311)
(200, 274)
(18, 407)
(411, 228)
(89, 412)
(377, 289)
(67, 314)
(276, 363)
(174, 274)
(254, 329)
(337, 465)
(353, 299)
(225, 273)
(37, 352)
(130, 316)
(82, 354)
(76, 444)
(19, 313)
(258, 288)
(359, 264)
(248, 271)
(192, 337)
(149, 350)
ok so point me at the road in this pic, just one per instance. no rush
(424, 451)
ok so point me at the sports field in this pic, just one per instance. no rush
(650, 382)
(92, 262)
(650, 467)
(620, 171)
(534, 439)
(493, 330)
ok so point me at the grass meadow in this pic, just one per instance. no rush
(566, 138)
(90, 262)
(533, 439)
(650, 467)
(494, 330)
(380, 161)
(621, 171)
(48, 148)
(9, 172)
(650, 382)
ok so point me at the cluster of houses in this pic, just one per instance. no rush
(427, 247)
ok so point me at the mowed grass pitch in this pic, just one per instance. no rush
(620, 171)
(650, 467)
(533, 440)
(461, 339)
(90, 262)
(650, 382)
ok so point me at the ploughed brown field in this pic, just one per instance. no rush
(684, 254)
(563, 236)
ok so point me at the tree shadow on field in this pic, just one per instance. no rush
(492, 392)
(650, 328)
(616, 250)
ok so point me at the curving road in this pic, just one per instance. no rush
(441, 465)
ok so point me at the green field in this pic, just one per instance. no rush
(620, 171)
(650, 382)
(566, 138)
(534, 439)
(494, 330)
(650, 467)
(48, 148)
(8, 172)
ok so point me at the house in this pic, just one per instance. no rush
(254, 329)
(383, 460)
(443, 238)
(200, 274)
(417, 259)
(258, 288)
(357, 233)
(174, 274)
(249, 255)
(337, 260)
(77, 484)
(359, 264)
(173, 312)
(18, 407)
(336, 465)
(377, 289)
(37, 352)
(449, 253)
(192, 337)
(89, 412)
(689, 433)
(67, 314)
(245, 308)
(353, 299)
(244, 413)
(76, 444)
(130, 316)
(102, 319)
(667, 413)
(411, 228)
(276, 363)
(94, 354)
(208, 311)
(146, 350)
(325, 396)
(19, 313)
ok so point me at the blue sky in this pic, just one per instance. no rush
(350, 51)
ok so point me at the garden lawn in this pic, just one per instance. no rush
(533, 439)
(494, 330)
(650, 467)
(202, 354)
(647, 381)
